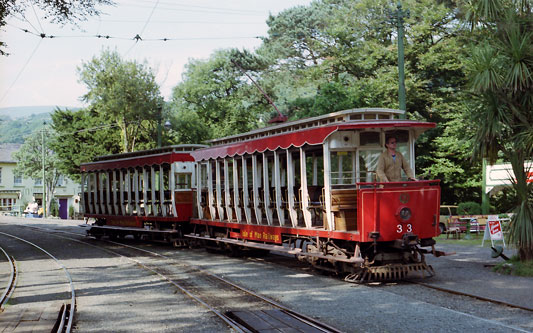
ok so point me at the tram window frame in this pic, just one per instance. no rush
(349, 174)
(187, 181)
(372, 146)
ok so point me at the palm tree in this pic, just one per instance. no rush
(501, 79)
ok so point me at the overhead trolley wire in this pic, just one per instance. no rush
(202, 9)
(21, 70)
(137, 37)
(182, 4)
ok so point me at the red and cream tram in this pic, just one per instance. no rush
(306, 187)
(146, 194)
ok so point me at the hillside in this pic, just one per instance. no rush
(14, 131)
(17, 112)
(16, 123)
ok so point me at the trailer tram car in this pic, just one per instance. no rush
(146, 194)
(307, 188)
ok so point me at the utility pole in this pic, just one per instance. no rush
(44, 182)
(397, 17)
(159, 129)
(485, 204)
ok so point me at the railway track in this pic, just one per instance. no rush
(281, 262)
(65, 316)
(460, 293)
(266, 313)
(12, 281)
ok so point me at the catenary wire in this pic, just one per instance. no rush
(21, 70)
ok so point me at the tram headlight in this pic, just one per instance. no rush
(405, 214)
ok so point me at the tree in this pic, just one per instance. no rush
(221, 95)
(501, 80)
(337, 54)
(127, 94)
(81, 136)
(57, 11)
(30, 162)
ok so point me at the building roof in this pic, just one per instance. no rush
(6, 151)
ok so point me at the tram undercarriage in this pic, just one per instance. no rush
(353, 261)
(170, 233)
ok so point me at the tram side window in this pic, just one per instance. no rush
(342, 168)
(183, 181)
(370, 149)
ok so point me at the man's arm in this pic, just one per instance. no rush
(380, 170)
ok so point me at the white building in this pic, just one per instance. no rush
(17, 191)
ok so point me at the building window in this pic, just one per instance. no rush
(17, 179)
(38, 181)
(60, 180)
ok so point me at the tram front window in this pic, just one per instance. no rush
(368, 162)
(343, 168)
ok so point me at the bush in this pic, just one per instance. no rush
(70, 212)
(54, 208)
(469, 208)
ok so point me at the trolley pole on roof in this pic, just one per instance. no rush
(397, 17)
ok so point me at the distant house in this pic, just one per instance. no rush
(17, 191)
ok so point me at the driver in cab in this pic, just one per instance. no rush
(391, 163)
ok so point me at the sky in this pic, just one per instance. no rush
(43, 71)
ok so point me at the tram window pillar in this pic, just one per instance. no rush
(236, 190)
(246, 191)
(228, 180)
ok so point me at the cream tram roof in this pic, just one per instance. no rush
(312, 131)
(149, 157)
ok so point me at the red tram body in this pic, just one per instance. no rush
(306, 187)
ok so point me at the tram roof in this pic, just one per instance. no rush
(148, 157)
(312, 131)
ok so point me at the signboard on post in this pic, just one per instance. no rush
(493, 230)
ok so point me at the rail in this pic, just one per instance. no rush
(12, 281)
(68, 315)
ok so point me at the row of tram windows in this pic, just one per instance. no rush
(141, 191)
(289, 187)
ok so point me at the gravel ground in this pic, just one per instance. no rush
(114, 294)
(352, 308)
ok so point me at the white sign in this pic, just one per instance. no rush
(493, 230)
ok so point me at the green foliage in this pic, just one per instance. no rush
(70, 212)
(54, 208)
(14, 131)
(30, 161)
(500, 78)
(217, 95)
(81, 136)
(469, 208)
(57, 11)
(515, 267)
(127, 94)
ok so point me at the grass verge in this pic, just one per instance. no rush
(515, 267)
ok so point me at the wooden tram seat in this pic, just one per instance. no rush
(314, 193)
(344, 208)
